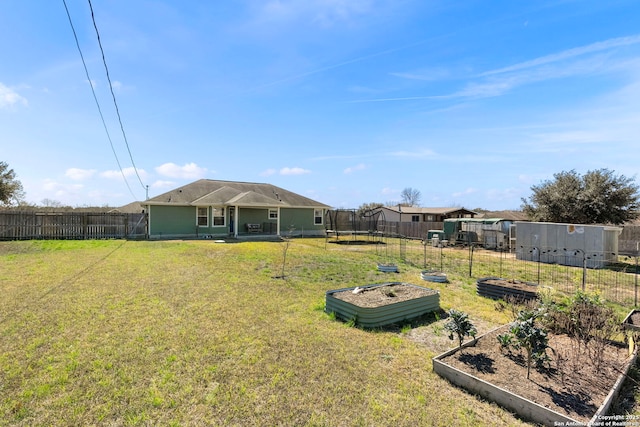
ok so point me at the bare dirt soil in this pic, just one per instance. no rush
(570, 383)
(634, 319)
(384, 295)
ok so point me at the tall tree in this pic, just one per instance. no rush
(597, 197)
(10, 188)
(410, 196)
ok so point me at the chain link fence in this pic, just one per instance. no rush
(615, 278)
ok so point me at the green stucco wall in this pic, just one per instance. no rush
(177, 221)
(300, 219)
(180, 221)
(253, 216)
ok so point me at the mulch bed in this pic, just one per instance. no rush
(569, 384)
(384, 295)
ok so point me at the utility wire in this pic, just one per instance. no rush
(64, 283)
(86, 71)
(104, 61)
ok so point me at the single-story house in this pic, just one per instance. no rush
(415, 214)
(213, 208)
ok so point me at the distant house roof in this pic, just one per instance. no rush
(230, 193)
(433, 211)
(507, 215)
(133, 207)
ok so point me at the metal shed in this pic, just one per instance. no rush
(492, 233)
(591, 246)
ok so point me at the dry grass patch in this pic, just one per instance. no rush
(199, 333)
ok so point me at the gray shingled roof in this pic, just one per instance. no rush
(247, 194)
(510, 215)
(421, 210)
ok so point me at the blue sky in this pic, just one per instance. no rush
(343, 101)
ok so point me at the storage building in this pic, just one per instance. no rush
(577, 245)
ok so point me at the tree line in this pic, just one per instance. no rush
(597, 197)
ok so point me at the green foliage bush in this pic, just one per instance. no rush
(459, 325)
(526, 334)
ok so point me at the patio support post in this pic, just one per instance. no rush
(236, 221)
(278, 222)
(635, 299)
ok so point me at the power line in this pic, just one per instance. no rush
(104, 61)
(66, 282)
(75, 36)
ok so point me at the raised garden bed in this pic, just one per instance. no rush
(388, 268)
(499, 288)
(434, 276)
(557, 395)
(382, 304)
(632, 321)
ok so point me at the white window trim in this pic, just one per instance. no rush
(321, 216)
(224, 216)
(198, 216)
(272, 211)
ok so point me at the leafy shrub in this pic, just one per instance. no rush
(525, 334)
(590, 324)
(505, 340)
(459, 325)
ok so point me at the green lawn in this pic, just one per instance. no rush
(201, 333)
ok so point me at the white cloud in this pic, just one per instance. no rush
(465, 192)
(504, 194)
(294, 171)
(268, 172)
(56, 189)
(359, 167)
(590, 59)
(389, 191)
(531, 179)
(425, 74)
(593, 58)
(163, 184)
(568, 54)
(77, 174)
(187, 171)
(425, 152)
(98, 197)
(127, 172)
(9, 97)
(111, 174)
(323, 12)
(570, 137)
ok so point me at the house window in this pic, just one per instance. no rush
(273, 213)
(317, 216)
(202, 217)
(430, 218)
(415, 218)
(218, 217)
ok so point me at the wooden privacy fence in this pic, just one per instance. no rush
(71, 225)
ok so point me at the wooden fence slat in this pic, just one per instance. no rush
(71, 225)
